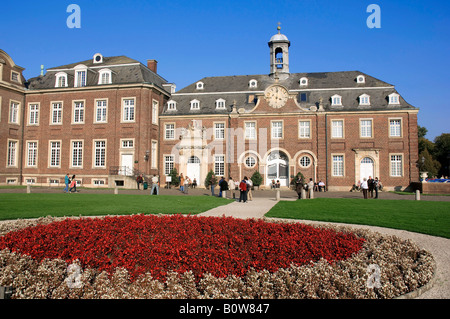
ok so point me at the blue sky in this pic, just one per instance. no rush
(194, 39)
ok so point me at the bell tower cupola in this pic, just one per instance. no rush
(279, 55)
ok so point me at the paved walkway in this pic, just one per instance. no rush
(438, 246)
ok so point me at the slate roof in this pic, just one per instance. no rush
(124, 71)
(320, 85)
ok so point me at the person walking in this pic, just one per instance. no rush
(73, 185)
(364, 187)
(67, 182)
(243, 190)
(155, 186)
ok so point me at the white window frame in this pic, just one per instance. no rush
(127, 143)
(12, 153)
(360, 79)
(171, 105)
(336, 100)
(104, 76)
(56, 113)
(220, 104)
(250, 130)
(250, 161)
(99, 153)
(14, 112)
(78, 111)
(337, 128)
(32, 153)
(15, 76)
(154, 154)
(397, 129)
(304, 131)
(219, 165)
(366, 128)
(54, 153)
(169, 164)
(155, 112)
(219, 130)
(80, 71)
(128, 110)
(302, 161)
(169, 131)
(101, 109)
(303, 81)
(195, 104)
(33, 113)
(338, 165)
(61, 80)
(364, 99)
(77, 152)
(253, 84)
(396, 165)
(199, 85)
(394, 99)
(276, 132)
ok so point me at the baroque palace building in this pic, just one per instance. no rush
(109, 118)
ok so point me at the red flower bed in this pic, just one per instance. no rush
(148, 243)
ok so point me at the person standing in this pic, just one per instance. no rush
(364, 187)
(243, 190)
(299, 187)
(370, 186)
(232, 187)
(223, 186)
(67, 182)
(139, 180)
(310, 188)
(181, 182)
(376, 184)
(186, 184)
(249, 189)
(212, 182)
(155, 186)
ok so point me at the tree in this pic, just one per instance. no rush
(428, 164)
(175, 179)
(208, 179)
(256, 178)
(442, 153)
(424, 143)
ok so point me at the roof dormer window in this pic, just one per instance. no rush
(98, 58)
(364, 99)
(199, 85)
(360, 79)
(171, 105)
(394, 99)
(61, 80)
(253, 84)
(80, 75)
(336, 100)
(303, 81)
(104, 76)
(195, 105)
(220, 104)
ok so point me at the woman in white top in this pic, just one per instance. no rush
(365, 187)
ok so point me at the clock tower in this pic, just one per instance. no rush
(279, 55)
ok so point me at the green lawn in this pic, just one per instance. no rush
(428, 217)
(14, 206)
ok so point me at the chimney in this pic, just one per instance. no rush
(151, 64)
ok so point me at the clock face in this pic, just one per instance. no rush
(276, 96)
